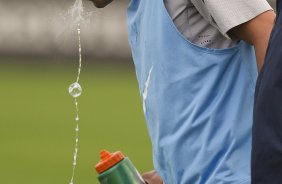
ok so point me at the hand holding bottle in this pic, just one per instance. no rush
(115, 168)
(152, 177)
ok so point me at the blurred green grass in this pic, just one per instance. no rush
(37, 121)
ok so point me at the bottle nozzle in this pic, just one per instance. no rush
(104, 155)
(108, 160)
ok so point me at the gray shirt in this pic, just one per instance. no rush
(206, 22)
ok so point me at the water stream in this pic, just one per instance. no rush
(75, 89)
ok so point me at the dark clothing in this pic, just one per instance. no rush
(267, 128)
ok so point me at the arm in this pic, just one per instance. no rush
(248, 20)
(256, 32)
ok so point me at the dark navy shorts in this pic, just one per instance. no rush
(267, 129)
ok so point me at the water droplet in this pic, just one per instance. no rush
(76, 140)
(75, 90)
(77, 128)
(77, 118)
(74, 164)
(71, 182)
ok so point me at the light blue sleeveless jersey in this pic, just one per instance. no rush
(198, 102)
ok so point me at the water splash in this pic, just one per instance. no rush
(73, 18)
(76, 14)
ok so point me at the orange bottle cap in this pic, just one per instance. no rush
(108, 160)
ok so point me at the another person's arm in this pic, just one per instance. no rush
(256, 32)
(248, 20)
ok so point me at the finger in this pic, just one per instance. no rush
(152, 177)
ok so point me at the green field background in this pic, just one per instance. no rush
(37, 120)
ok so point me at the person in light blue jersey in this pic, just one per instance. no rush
(196, 64)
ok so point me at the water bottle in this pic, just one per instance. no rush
(115, 168)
